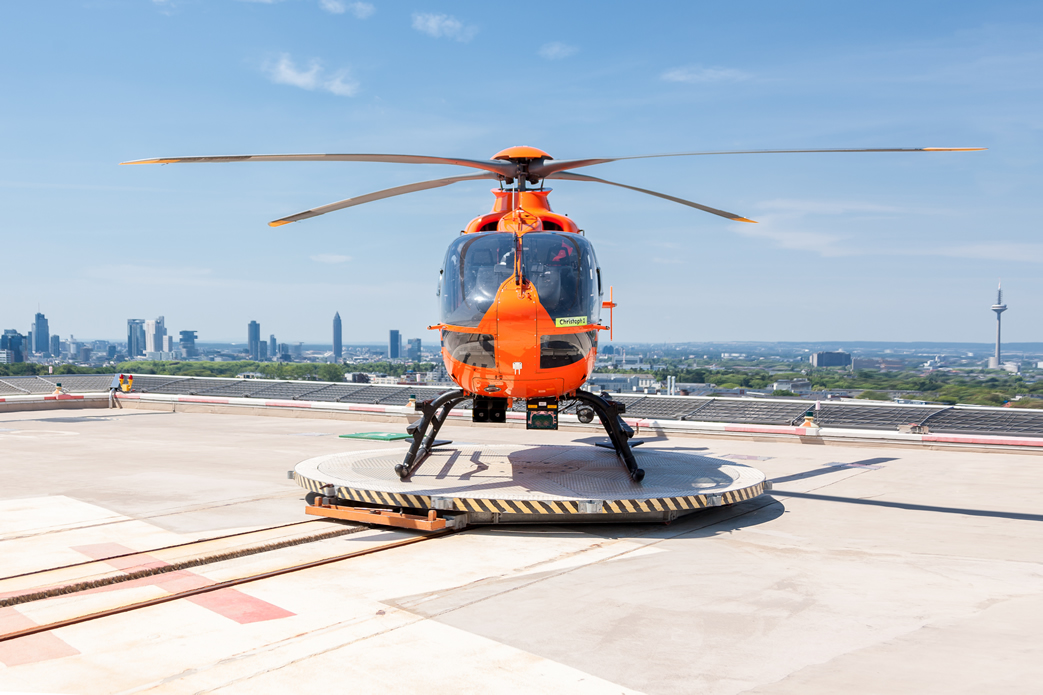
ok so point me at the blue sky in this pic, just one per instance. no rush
(849, 246)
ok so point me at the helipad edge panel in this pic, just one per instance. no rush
(534, 480)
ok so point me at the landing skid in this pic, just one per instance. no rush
(435, 412)
(426, 429)
(619, 432)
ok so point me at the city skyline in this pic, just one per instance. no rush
(137, 328)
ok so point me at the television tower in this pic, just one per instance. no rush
(999, 307)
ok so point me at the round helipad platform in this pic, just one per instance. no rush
(512, 483)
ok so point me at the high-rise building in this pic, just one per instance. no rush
(56, 346)
(413, 353)
(253, 339)
(154, 332)
(999, 307)
(337, 347)
(831, 359)
(15, 343)
(135, 337)
(168, 343)
(394, 345)
(263, 352)
(273, 347)
(41, 335)
(188, 344)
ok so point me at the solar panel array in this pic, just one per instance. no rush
(149, 383)
(766, 412)
(1026, 423)
(288, 390)
(82, 383)
(32, 384)
(10, 389)
(873, 417)
(334, 392)
(240, 388)
(186, 387)
(939, 419)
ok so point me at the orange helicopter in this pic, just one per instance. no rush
(520, 292)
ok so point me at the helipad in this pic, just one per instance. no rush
(870, 568)
(501, 483)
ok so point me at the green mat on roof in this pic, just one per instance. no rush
(381, 436)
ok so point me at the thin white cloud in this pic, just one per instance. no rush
(556, 50)
(285, 71)
(361, 10)
(697, 75)
(993, 251)
(443, 26)
(330, 258)
(825, 207)
(341, 84)
(781, 236)
(160, 274)
(166, 7)
(785, 224)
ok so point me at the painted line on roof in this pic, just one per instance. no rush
(983, 439)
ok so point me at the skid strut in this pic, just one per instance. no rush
(434, 414)
(619, 432)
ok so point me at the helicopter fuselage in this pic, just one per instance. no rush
(520, 293)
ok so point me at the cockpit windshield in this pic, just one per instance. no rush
(564, 271)
(561, 267)
(475, 267)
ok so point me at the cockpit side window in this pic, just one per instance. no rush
(475, 267)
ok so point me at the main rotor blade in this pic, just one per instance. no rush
(569, 176)
(502, 168)
(544, 169)
(379, 195)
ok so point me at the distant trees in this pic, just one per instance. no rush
(331, 372)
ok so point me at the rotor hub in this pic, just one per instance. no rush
(521, 157)
(521, 153)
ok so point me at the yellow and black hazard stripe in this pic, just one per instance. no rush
(747, 493)
(473, 504)
(685, 503)
(391, 499)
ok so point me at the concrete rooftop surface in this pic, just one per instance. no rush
(865, 570)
